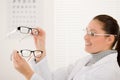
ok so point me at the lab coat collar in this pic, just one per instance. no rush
(108, 58)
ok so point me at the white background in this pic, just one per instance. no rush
(63, 22)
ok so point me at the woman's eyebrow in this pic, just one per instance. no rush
(91, 30)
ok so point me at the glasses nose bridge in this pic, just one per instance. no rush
(33, 52)
(29, 30)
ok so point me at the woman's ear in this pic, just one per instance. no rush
(110, 39)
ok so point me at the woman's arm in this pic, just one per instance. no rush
(40, 69)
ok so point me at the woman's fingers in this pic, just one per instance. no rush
(17, 59)
(39, 57)
(16, 56)
(40, 33)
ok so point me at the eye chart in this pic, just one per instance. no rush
(24, 13)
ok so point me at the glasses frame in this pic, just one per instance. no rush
(93, 34)
(31, 51)
(29, 30)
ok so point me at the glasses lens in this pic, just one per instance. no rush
(91, 33)
(23, 30)
(35, 31)
(25, 53)
(38, 53)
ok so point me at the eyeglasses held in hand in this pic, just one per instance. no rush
(28, 53)
(27, 30)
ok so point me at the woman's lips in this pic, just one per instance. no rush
(88, 44)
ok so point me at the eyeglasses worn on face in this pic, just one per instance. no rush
(27, 53)
(93, 34)
(27, 30)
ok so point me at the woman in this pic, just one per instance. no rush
(103, 64)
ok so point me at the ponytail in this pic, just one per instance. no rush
(118, 50)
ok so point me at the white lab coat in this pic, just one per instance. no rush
(105, 69)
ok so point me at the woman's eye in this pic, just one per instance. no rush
(92, 33)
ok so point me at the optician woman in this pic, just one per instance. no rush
(101, 41)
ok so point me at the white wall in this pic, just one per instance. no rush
(63, 22)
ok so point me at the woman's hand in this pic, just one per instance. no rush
(21, 65)
(39, 41)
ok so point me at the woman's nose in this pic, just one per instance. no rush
(86, 36)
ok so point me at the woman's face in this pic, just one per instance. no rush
(95, 43)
